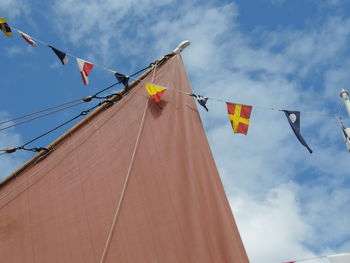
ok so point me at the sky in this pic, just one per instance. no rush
(285, 54)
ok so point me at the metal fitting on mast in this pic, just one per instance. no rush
(181, 46)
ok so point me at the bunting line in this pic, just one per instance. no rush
(237, 120)
(224, 101)
(67, 53)
(209, 98)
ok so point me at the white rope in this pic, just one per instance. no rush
(122, 195)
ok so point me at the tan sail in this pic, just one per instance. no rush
(135, 182)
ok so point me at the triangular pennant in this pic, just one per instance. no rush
(294, 122)
(5, 28)
(60, 54)
(27, 38)
(85, 69)
(201, 100)
(155, 92)
(122, 79)
(239, 117)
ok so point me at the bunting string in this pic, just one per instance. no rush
(85, 67)
(69, 54)
(132, 76)
(255, 106)
(239, 114)
(88, 98)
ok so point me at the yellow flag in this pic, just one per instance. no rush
(155, 92)
(5, 27)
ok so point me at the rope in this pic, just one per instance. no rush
(111, 86)
(39, 111)
(71, 55)
(255, 106)
(99, 123)
(67, 54)
(122, 195)
(85, 99)
(40, 116)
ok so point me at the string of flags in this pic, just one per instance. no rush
(239, 114)
(84, 66)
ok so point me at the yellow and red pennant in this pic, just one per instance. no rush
(5, 27)
(155, 92)
(239, 117)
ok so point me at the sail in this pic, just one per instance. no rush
(134, 183)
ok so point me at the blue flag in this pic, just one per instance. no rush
(294, 122)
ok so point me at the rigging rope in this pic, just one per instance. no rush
(40, 116)
(122, 195)
(85, 99)
(39, 111)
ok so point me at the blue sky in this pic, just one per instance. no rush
(285, 54)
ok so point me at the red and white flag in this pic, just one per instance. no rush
(85, 69)
(27, 38)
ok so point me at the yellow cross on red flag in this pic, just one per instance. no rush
(239, 117)
(155, 91)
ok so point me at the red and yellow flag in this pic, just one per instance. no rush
(239, 117)
(155, 91)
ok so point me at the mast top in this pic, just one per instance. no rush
(343, 92)
(181, 46)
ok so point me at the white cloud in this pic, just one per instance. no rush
(273, 227)
(13, 8)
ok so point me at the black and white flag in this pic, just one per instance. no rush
(201, 100)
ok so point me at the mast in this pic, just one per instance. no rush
(346, 131)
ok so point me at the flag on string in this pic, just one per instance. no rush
(339, 258)
(27, 38)
(122, 79)
(155, 92)
(85, 69)
(294, 122)
(5, 27)
(239, 117)
(201, 100)
(60, 54)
